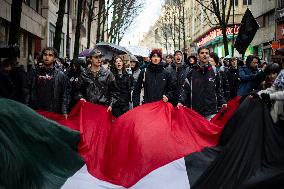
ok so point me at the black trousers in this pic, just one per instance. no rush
(119, 110)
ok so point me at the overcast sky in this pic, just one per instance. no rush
(143, 22)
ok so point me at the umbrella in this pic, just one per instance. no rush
(110, 50)
(85, 53)
(139, 50)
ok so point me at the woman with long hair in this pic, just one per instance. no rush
(124, 82)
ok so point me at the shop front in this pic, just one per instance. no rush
(213, 39)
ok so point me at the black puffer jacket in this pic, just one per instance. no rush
(100, 89)
(179, 74)
(202, 90)
(156, 81)
(50, 90)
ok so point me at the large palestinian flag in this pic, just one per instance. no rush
(151, 146)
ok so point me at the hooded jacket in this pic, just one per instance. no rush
(202, 90)
(156, 81)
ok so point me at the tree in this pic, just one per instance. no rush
(173, 24)
(165, 24)
(114, 18)
(15, 26)
(100, 13)
(78, 28)
(59, 25)
(91, 18)
(220, 9)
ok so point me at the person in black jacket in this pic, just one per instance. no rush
(156, 81)
(233, 77)
(7, 88)
(97, 84)
(18, 77)
(213, 60)
(202, 90)
(73, 74)
(124, 82)
(50, 88)
(178, 70)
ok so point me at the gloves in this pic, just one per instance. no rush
(254, 95)
(265, 98)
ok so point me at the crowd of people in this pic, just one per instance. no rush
(203, 82)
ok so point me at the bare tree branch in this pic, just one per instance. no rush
(205, 6)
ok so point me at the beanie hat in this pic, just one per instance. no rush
(156, 51)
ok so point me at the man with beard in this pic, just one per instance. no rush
(156, 81)
(178, 70)
(49, 86)
(202, 90)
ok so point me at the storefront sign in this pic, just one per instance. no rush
(217, 33)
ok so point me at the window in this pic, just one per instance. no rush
(62, 45)
(34, 4)
(51, 35)
(246, 2)
(271, 19)
(23, 44)
(260, 20)
(236, 2)
(4, 32)
(280, 4)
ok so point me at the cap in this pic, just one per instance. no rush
(133, 58)
(96, 52)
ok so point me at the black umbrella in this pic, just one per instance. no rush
(110, 50)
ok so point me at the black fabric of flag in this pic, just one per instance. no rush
(250, 153)
(247, 31)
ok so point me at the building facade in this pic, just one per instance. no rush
(205, 30)
(200, 28)
(38, 23)
(264, 13)
(279, 18)
(32, 27)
